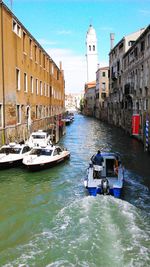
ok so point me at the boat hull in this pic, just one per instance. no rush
(93, 191)
(46, 165)
(10, 164)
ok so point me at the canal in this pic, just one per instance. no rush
(47, 218)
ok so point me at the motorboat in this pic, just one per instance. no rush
(106, 178)
(11, 155)
(71, 116)
(39, 138)
(67, 120)
(45, 157)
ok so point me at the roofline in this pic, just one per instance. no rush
(103, 68)
(25, 29)
(137, 40)
(124, 39)
(116, 45)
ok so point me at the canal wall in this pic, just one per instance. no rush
(21, 132)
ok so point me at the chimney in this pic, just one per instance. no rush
(112, 37)
(60, 65)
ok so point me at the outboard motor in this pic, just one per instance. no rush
(105, 186)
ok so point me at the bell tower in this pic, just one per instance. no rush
(91, 54)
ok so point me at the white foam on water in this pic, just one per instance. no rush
(93, 232)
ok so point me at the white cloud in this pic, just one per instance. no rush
(74, 67)
(145, 12)
(106, 28)
(46, 42)
(63, 32)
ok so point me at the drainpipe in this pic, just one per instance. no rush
(3, 80)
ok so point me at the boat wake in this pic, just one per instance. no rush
(90, 232)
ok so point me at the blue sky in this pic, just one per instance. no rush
(60, 26)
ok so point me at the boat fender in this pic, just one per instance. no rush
(105, 186)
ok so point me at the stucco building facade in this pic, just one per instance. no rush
(116, 91)
(136, 82)
(102, 92)
(31, 84)
(89, 99)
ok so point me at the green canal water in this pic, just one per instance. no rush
(47, 218)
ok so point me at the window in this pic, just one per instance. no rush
(52, 69)
(1, 116)
(89, 47)
(57, 74)
(35, 53)
(18, 114)
(17, 79)
(40, 112)
(25, 83)
(16, 28)
(44, 61)
(50, 91)
(36, 86)
(47, 64)
(30, 44)
(130, 43)
(41, 92)
(24, 42)
(103, 74)
(26, 149)
(136, 51)
(36, 112)
(40, 55)
(142, 46)
(14, 25)
(93, 47)
(103, 86)
(31, 84)
(45, 89)
(44, 112)
(55, 152)
(146, 104)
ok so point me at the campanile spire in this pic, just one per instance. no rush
(91, 54)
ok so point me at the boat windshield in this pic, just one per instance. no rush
(10, 150)
(39, 152)
(38, 136)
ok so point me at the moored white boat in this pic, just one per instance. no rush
(39, 138)
(67, 120)
(106, 178)
(45, 157)
(11, 155)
